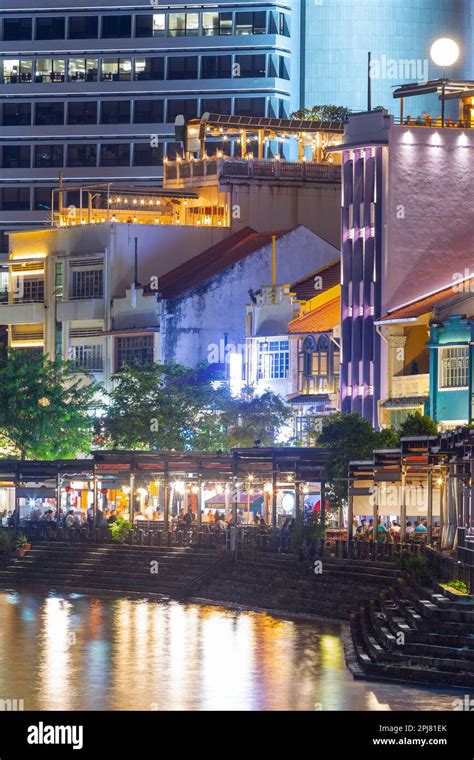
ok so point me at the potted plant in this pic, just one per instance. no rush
(21, 545)
(120, 529)
(416, 566)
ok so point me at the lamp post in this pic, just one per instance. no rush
(444, 52)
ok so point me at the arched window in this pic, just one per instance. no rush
(316, 356)
(309, 348)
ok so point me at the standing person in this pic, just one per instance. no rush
(382, 532)
(189, 518)
(361, 530)
(285, 536)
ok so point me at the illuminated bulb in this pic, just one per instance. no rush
(444, 52)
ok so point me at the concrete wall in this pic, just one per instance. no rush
(215, 311)
(160, 248)
(266, 206)
(429, 211)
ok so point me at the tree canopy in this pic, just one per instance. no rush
(322, 113)
(349, 437)
(417, 424)
(168, 406)
(45, 407)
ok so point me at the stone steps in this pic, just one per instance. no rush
(437, 646)
(120, 569)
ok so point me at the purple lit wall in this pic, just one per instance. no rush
(361, 269)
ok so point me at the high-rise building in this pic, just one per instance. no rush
(83, 88)
(338, 35)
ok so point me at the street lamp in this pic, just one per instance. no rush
(444, 52)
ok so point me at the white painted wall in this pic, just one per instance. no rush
(202, 318)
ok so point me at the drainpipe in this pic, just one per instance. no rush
(274, 265)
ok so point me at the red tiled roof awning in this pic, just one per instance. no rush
(214, 260)
(423, 305)
(330, 275)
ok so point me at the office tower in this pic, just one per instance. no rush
(338, 34)
(82, 90)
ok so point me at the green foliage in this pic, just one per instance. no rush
(417, 424)
(251, 418)
(314, 528)
(120, 529)
(413, 564)
(20, 540)
(459, 586)
(45, 407)
(349, 437)
(168, 406)
(322, 113)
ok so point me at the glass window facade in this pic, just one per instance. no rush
(273, 360)
(134, 351)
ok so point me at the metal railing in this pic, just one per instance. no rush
(301, 171)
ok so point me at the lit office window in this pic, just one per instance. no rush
(454, 364)
(88, 357)
(116, 69)
(273, 360)
(82, 69)
(210, 24)
(87, 283)
(183, 24)
(15, 71)
(159, 24)
(134, 351)
(50, 70)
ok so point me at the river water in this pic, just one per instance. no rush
(72, 652)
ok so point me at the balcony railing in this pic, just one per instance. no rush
(199, 170)
(405, 386)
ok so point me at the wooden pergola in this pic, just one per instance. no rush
(276, 467)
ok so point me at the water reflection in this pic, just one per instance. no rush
(74, 652)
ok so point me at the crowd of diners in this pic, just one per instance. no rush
(389, 531)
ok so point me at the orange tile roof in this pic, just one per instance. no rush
(321, 319)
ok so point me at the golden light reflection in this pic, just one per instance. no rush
(56, 645)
